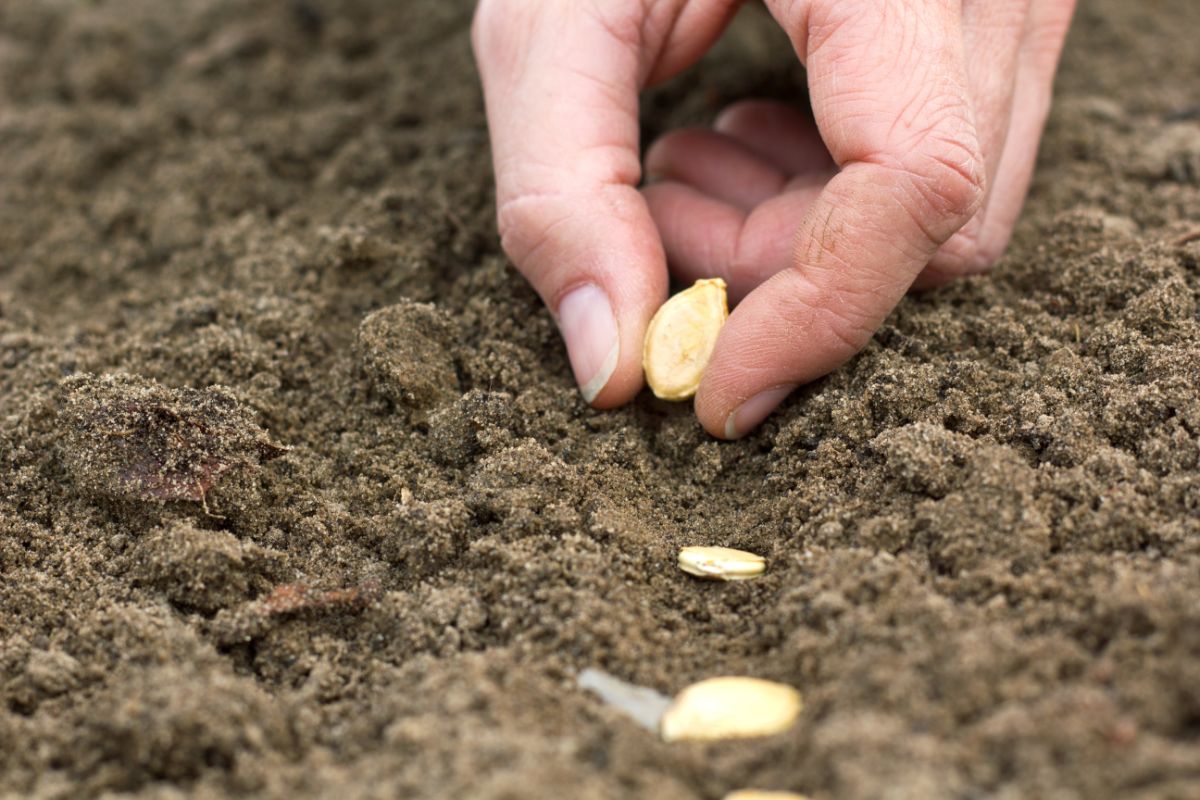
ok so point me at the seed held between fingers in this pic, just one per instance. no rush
(721, 563)
(730, 708)
(681, 337)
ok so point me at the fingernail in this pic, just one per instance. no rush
(747, 416)
(586, 320)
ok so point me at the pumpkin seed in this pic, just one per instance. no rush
(730, 708)
(721, 563)
(681, 337)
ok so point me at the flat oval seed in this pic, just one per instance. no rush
(730, 708)
(681, 337)
(721, 563)
(763, 794)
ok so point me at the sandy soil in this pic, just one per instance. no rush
(370, 562)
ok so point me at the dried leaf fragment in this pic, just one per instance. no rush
(292, 598)
(681, 337)
(730, 707)
(721, 563)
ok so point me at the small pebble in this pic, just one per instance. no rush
(721, 563)
(763, 794)
(730, 708)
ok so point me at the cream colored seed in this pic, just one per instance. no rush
(730, 708)
(763, 794)
(721, 563)
(681, 337)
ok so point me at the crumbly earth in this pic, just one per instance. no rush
(983, 532)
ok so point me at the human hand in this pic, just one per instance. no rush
(928, 115)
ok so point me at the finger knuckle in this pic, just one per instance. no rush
(946, 169)
(528, 223)
(955, 183)
(623, 21)
(992, 244)
(942, 185)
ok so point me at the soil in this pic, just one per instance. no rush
(298, 498)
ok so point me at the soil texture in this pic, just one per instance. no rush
(298, 498)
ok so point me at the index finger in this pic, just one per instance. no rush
(561, 82)
(888, 87)
(561, 87)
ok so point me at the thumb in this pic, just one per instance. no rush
(889, 93)
(561, 88)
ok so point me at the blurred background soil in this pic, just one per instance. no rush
(371, 560)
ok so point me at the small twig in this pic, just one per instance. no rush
(289, 598)
(1186, 238)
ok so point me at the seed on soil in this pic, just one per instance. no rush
(730, 708)
(681, 337)
(763, 794)
(721, 563)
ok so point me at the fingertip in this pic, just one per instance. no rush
(732, 417)
(597, 261)
(562, 103)
(589, 328)
(713, 429)
(603, 330)
(781, 134)
(622, 377)
(744, 114)
(657, 162)
(620, 389)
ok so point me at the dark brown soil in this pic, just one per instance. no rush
(984, 532)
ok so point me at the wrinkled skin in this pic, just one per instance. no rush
(927, 120)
